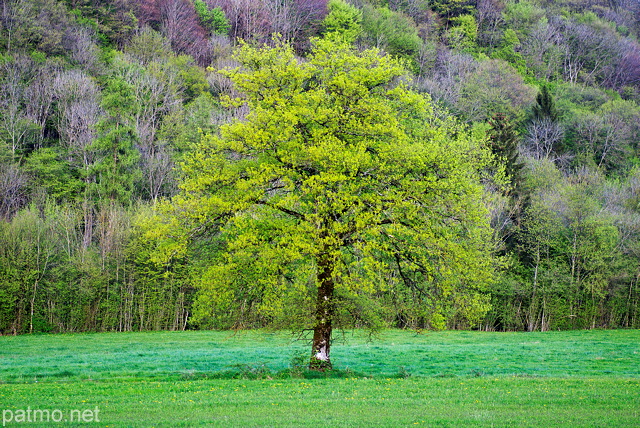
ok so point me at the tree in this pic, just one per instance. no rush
(545, 107)
(13, 190)
(343, 21)
(115, 167)
(340, 182)
(78, 113)
(446, 81)
(544, 133)
(450, 9)
(249, 19)
(16, 124)
(296, 20)
(493, 87)
(543, 50)
(394, 32)
(490, 20)
(508, 51)
(503, 140)
(38, 25)
(507, 212)
(113, 20)
(463, 35)
(213, 19)
(28, 254)
(542, 139)
(178, 21)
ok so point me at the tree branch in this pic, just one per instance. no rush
(282, 209)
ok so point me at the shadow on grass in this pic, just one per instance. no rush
(244, 371)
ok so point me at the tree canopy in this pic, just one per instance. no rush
(338, 183)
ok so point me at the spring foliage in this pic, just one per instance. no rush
(338, 167)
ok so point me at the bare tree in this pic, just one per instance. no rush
(157, 167)
(490, 19)
(80, 42)
(178, 22)
(78, 106)
(587, 52)
(40, 95)
(222, 60)
(294, 18)
(617, 132)
(625, 70)
(15, 123)
(156, 96)
(78, 113)
(446, 79)
(148, 45)
(543, 50)
(13, 190)
(608, 134)
(13, 13)
(542, 138)
(249, 19)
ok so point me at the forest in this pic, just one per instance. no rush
(119, 117)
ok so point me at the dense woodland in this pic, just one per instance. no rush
(101, 102)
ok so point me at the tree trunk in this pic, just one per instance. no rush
(320, 359)
(87, 235)
(33, 305)
(533, 308)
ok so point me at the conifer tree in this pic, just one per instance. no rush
(503, 141)
(545, 107)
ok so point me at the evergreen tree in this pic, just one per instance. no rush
(545, 107)
(115, 169)
(503, 141)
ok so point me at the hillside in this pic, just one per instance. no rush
(102, 101)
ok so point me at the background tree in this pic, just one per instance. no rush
(394, 32)
(13, 190)
(544, 131)
(503, 141)
(213, 19)
(545, 106)
(296, 20)
(338, 183)
(18, 125)
(116, 157)
(450, 9)
(343, 21)
(249, 19)
(493, 87)
(178, 21)
(463, 34)
(113, 20)
(78, 112)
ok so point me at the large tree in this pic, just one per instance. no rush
(339, 184)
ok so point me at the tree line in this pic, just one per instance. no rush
(104, 105)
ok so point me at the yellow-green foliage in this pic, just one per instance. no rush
(343, 22)
(336, 160)
(463, 36)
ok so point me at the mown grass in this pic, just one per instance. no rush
(357, 402)
(582, 378)
(174, 355)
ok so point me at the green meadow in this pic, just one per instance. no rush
(256, 378)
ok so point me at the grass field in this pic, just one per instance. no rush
(570, 379)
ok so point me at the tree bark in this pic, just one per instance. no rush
(320, 358)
